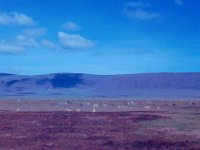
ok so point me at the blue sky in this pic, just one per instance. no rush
(99, 36)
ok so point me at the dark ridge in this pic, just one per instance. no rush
(5, 74)
(9, 83)
(66, 80)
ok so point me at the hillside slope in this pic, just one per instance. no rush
(69, 85)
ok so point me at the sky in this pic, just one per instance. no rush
(99, 36)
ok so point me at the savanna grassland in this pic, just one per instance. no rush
(100, 125)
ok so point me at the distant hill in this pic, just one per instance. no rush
(71, 85)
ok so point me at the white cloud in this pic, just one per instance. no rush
(10, 48)
(26, 41)
(74, 40)
(15, 18)
(29, 37)
(178, 2)
(48, 44)
(71, 26)
(18, 45)
(139, 11)
(136, 4)
(35, 32)
(22, 43)
(141, 14)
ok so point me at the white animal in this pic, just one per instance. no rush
(96, 105)
(18, 109)
(67, 109)
(104, 105)
(147, 107)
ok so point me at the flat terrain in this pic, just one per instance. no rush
(99, 125)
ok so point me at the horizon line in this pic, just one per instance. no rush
(40, 74)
